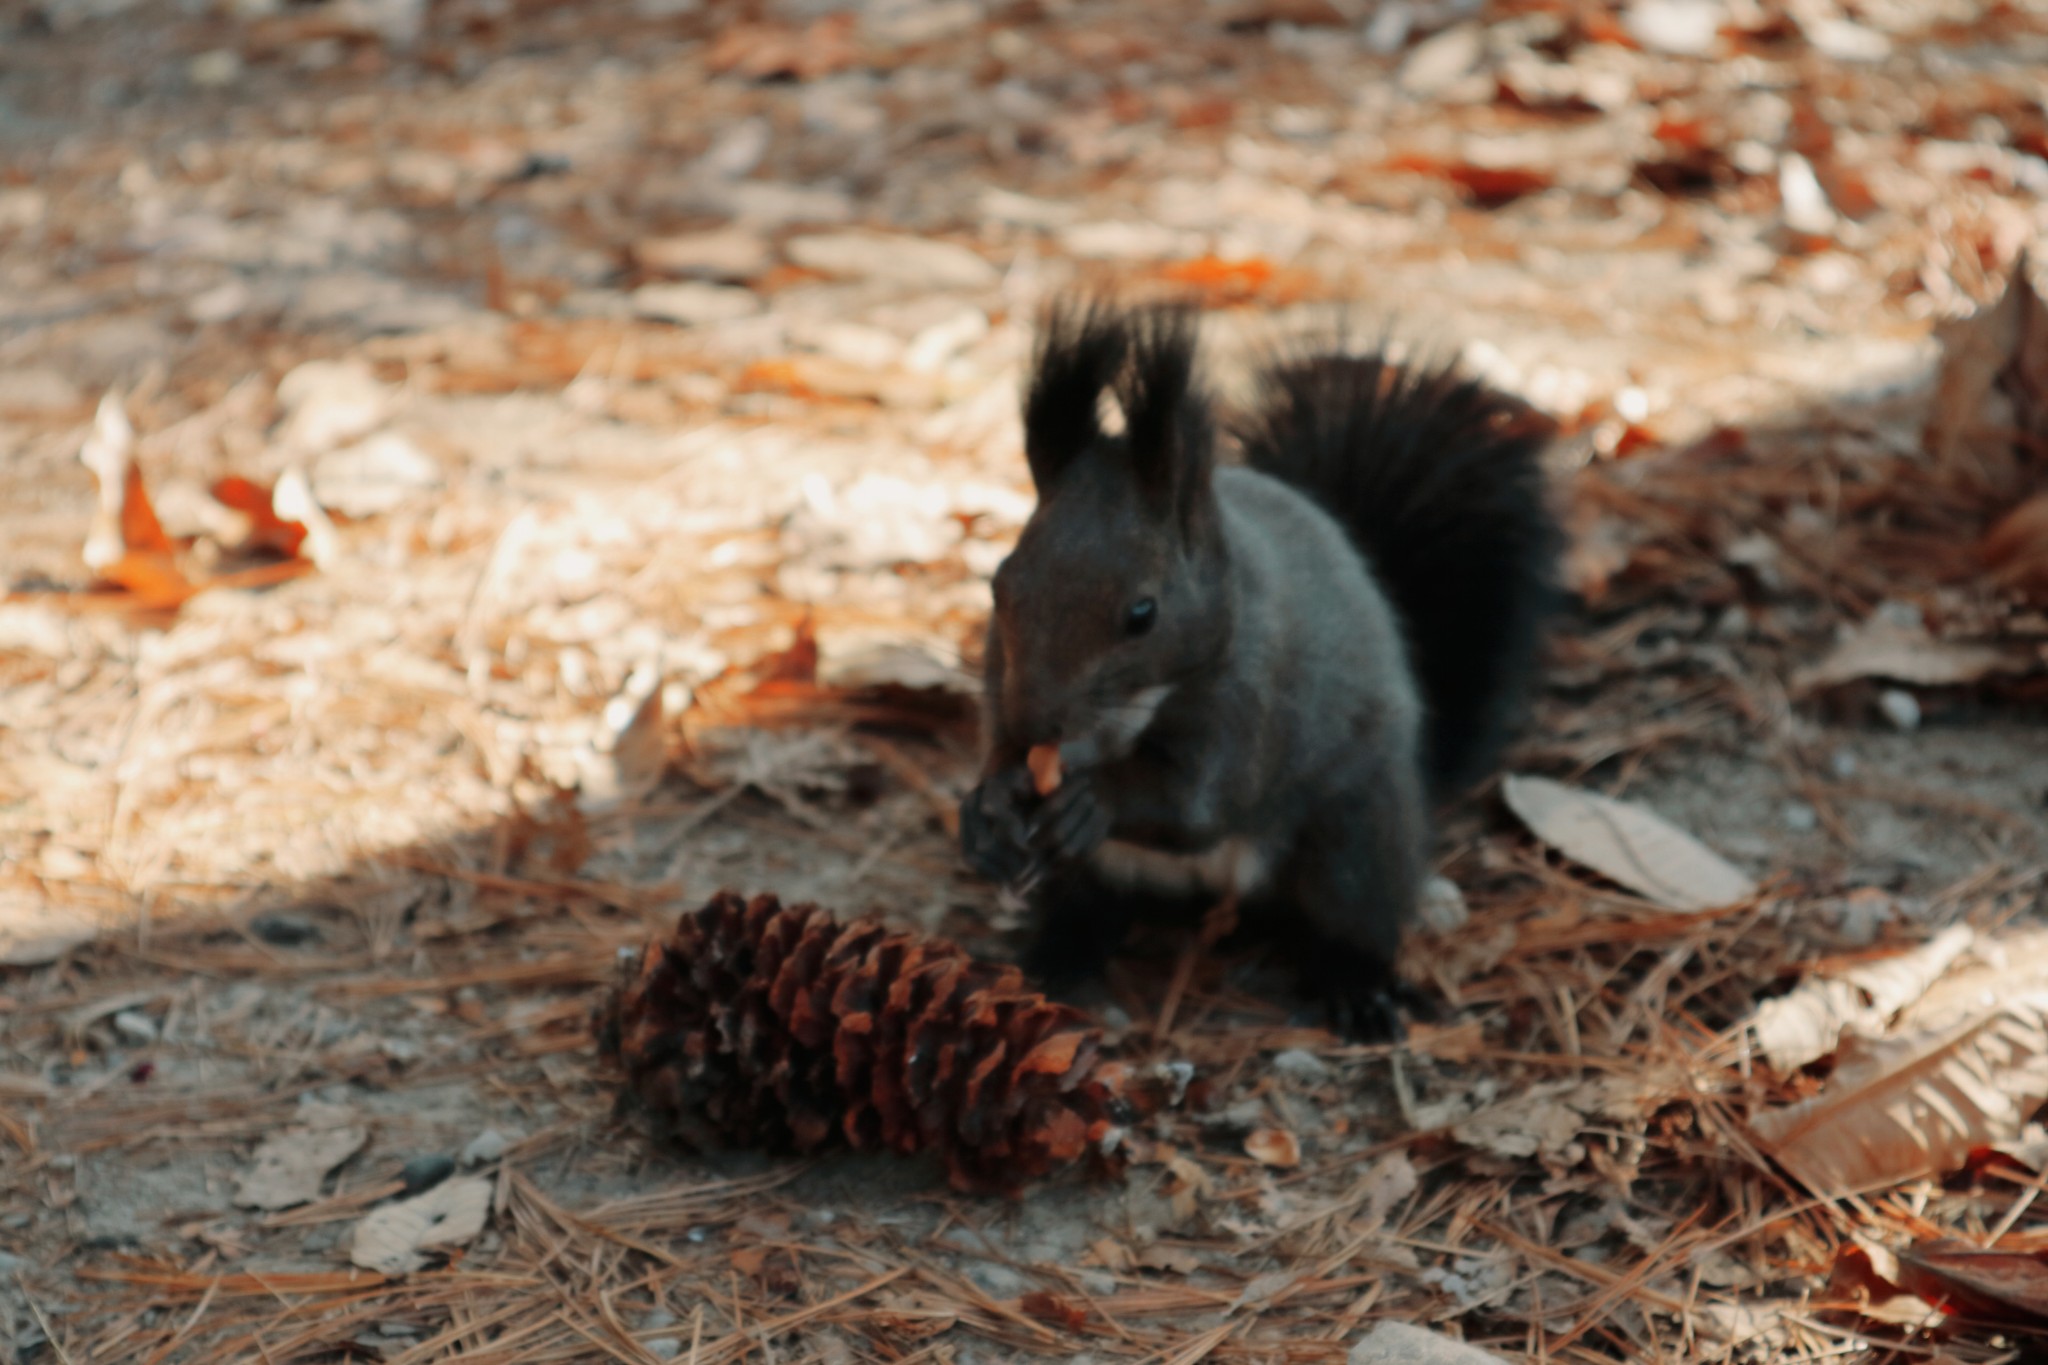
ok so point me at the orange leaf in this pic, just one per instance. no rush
(154, 580)
(141, 532)
(268, 531)
(1689, 133)
(1492, 186)
(1213, 272)
(798, 663)
(1634, 440)
(1054, 1309)
(1486, 186)
(1274, 1147)
(771, 376)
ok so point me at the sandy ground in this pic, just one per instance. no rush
(632, 348)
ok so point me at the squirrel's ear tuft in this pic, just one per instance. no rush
(1167, 421)
(1082, 345)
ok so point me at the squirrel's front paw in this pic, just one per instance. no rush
(1073, 822)
(993, 835)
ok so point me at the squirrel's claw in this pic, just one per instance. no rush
(993, 835)
(1073, 824)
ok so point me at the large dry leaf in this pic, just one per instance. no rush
(2016, 549)
(33, 931)
(1627, 844)
(1881, 648)
(1981, 1283)
(1915, 1105)
(1805, 1025)
(1544, 1121)
(2001, 348)
(290, 1166)
(628, 749)
(394, 1238)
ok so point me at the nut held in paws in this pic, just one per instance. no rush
(1044, 762)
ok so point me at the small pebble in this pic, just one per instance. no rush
(215, 70)
(1443, 909)
(664, 1348)
(1299, 1064)
(1842, 763)
(1901, 708)
(1800, 817)
(135, 1027)
(484, 1148)
(422, 1173)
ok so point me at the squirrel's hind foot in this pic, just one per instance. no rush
(1362, 997)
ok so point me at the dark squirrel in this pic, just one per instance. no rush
(1263, 676)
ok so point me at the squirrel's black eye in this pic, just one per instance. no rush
(1140, 618)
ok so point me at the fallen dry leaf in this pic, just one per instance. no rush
(2000, 347)
(126, 546)
(1392, 1179)
(1052, 1308)
(1401, 1343)
(1274, 1147)
(1867, 1272)
(124, 522)
(268, 532)
(154, 580)
(1486, 186)
(1806, 1025)
(1914, 1105)
(1544, 1121)
(1984, 1284)
(290, 1167)
(628, 752)
(1885, 648)
(33, 931)
(1458, 1042)
(393, 1238)
(2016, 549)
(1627, 844)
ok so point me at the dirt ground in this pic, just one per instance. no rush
(655, 367)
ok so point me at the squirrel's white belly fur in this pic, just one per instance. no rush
(1234, 867)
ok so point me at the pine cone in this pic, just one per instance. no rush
(778, 1027)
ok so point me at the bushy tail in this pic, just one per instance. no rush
(1438, 478)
